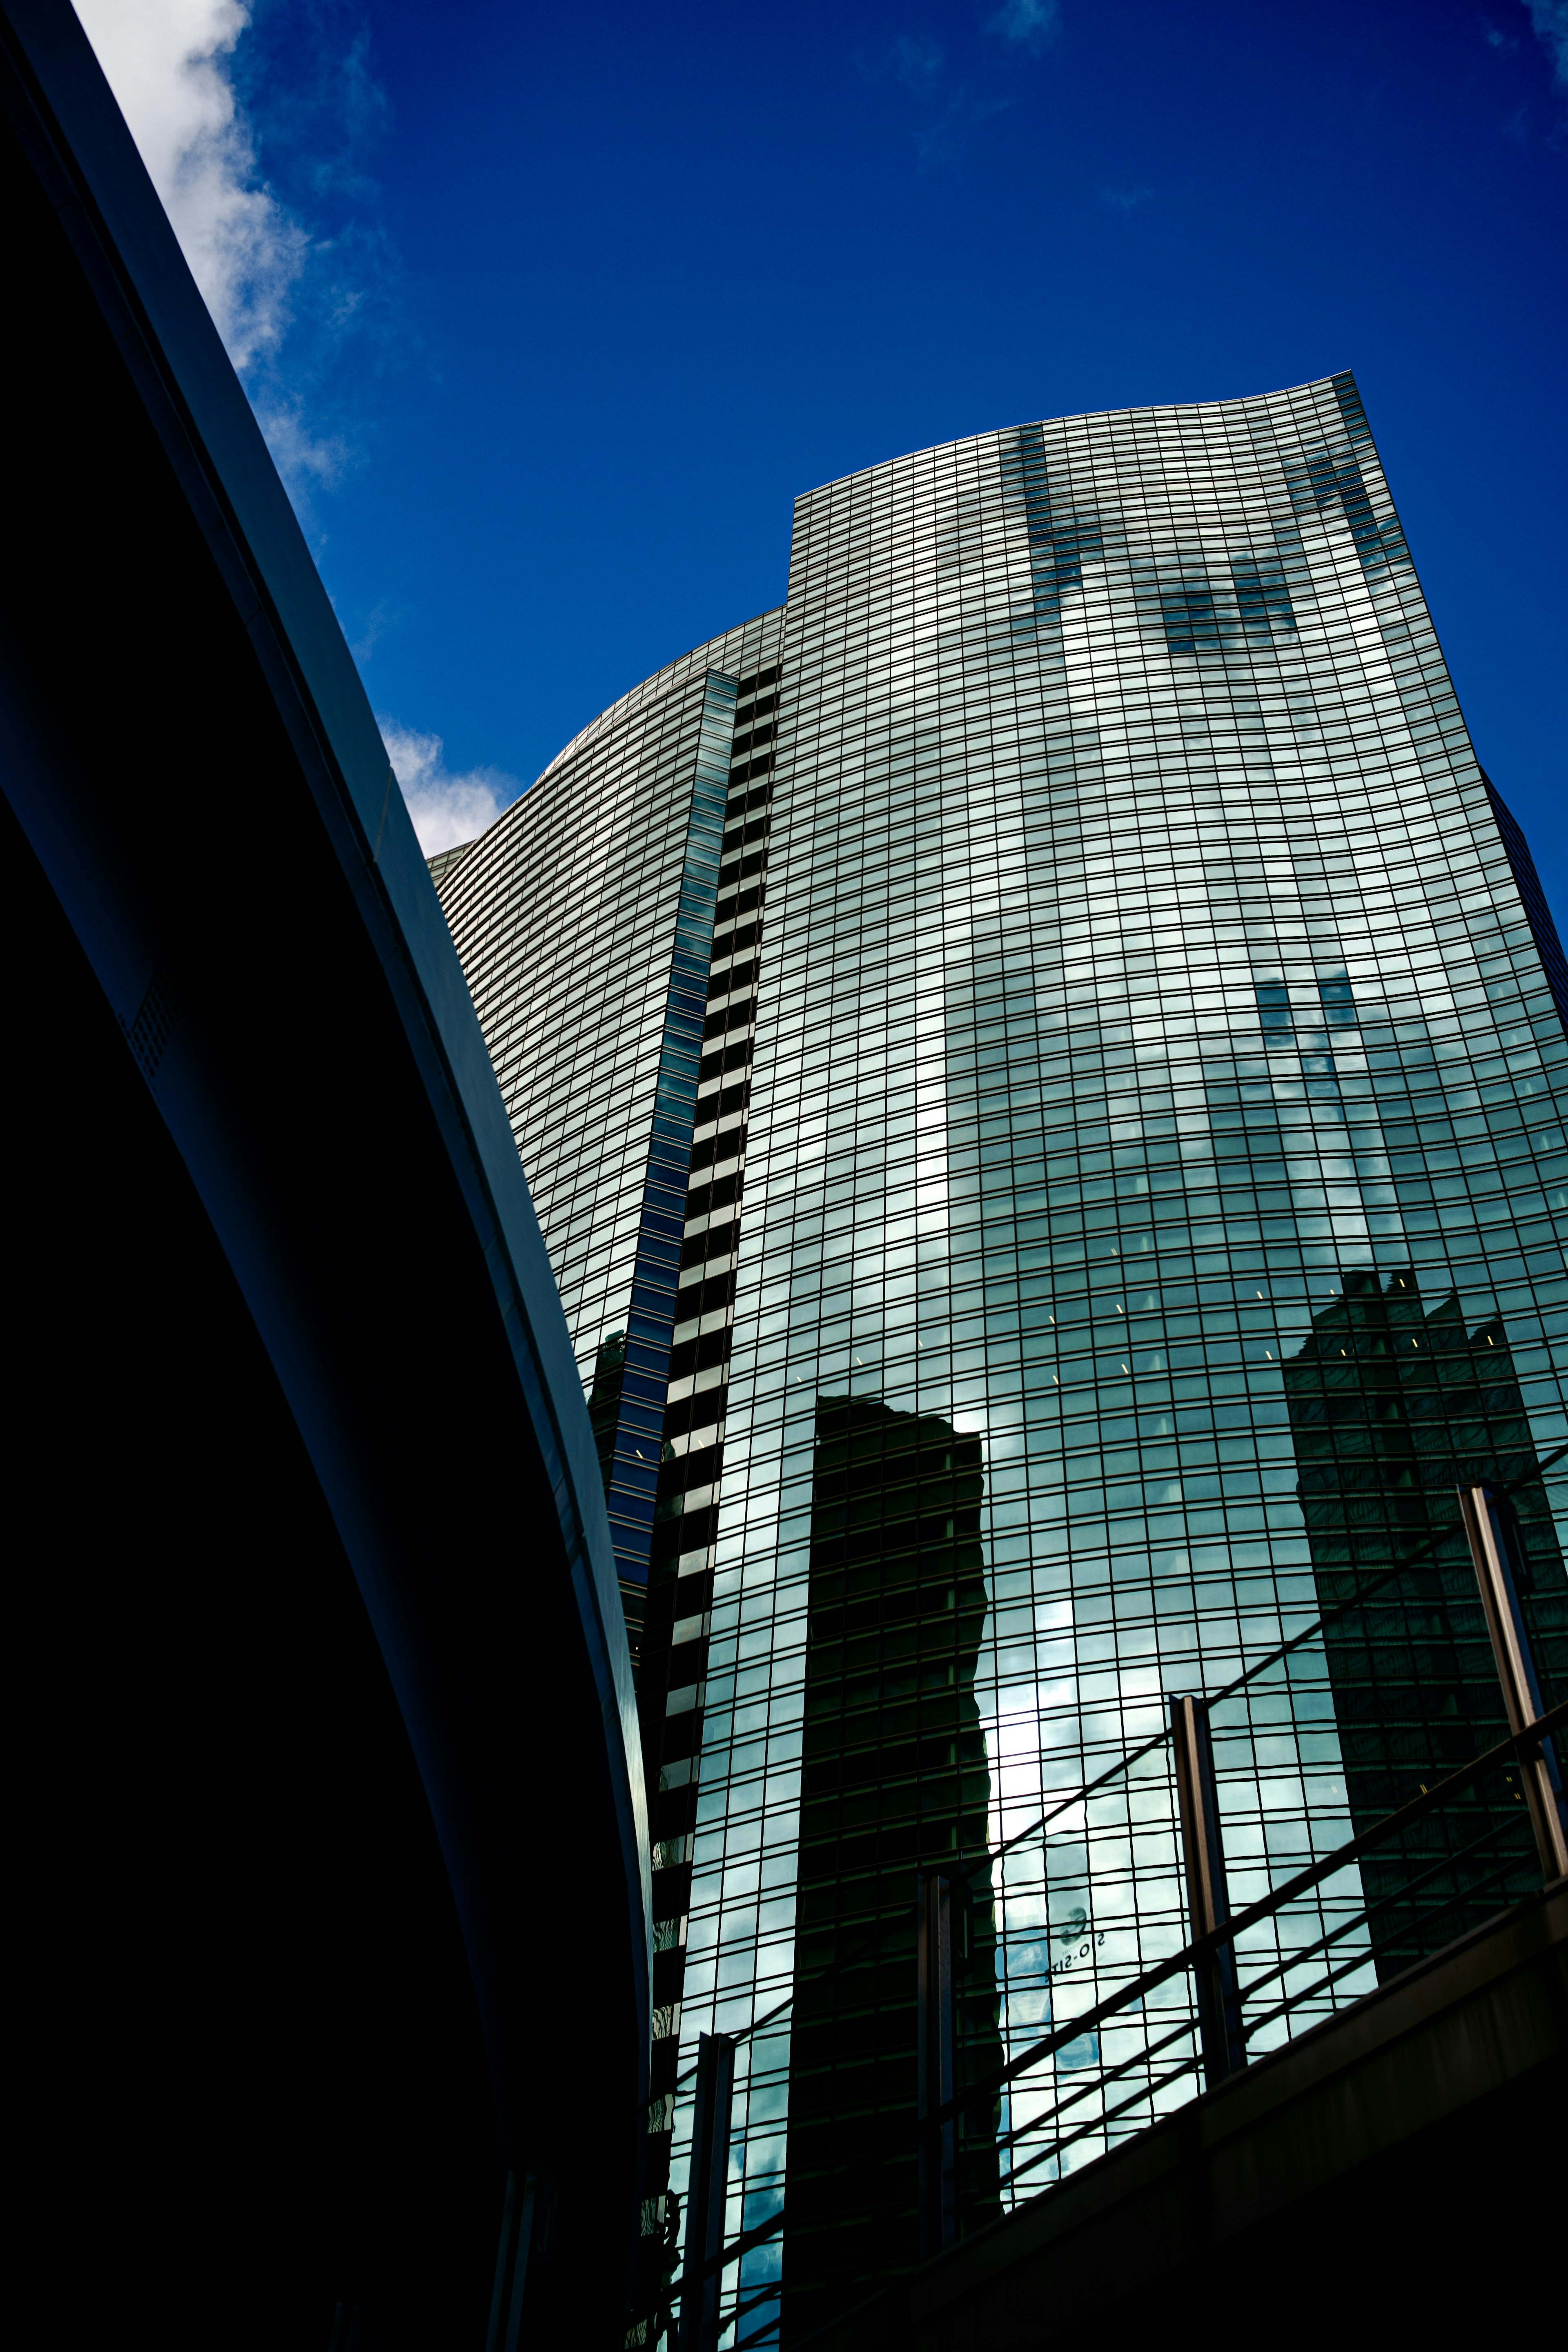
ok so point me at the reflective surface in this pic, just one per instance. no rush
(1148, 1047)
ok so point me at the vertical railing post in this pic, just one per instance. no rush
(1208, 1905)
(707, 2193)
(519, 2223)
(1542, 1779)
(935, 2072)
(506, 2256)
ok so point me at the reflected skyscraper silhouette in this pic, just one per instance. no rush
(895, 1782)
(1391, 1409)
(1109, 938)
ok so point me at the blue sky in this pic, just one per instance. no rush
(550, 313)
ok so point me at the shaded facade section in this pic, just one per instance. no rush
(585, 920)
(895, 1782)
(1391, 1409)
(674, 1643)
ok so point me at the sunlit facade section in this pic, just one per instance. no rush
(1125, 1195)
(1143, 965)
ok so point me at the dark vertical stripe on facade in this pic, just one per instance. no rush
(895, 1782)
(633, 1372)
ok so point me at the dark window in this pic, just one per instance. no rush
(1191, 621)
(738, 976)
(1274, 1008)
(1263, 602)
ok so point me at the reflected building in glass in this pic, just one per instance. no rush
(1007, 1050)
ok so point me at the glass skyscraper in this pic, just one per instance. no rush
(1040, 1067)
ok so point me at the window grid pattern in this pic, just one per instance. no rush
(564, 916)
(638, 1361)
(1148, 1027)
(1143, 967)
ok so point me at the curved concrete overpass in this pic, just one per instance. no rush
(296, 1409)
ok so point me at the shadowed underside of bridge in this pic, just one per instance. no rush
(323, 1727)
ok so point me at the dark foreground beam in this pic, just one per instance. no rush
(1374, 2182)
(330, 1868)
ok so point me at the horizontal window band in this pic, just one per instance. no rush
(648, 1327)
(672, 1134)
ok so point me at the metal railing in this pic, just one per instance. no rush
(1222, 2029)
(1220, 2018)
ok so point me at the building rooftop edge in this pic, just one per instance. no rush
(1079, 416)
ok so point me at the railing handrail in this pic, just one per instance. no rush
(1518, 1746)
(1432, 1543)
(959, 1869)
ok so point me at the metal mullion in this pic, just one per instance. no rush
(1365, 1841)
(1108, 2075)
(761, 2337)
(1361, 1918)
(1385, 1576)
(744, 2310)
(1069, 2139)
(1517, 1676)
(1362, 1959)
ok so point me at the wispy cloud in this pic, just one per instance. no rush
(1550, 19)
(283, 293)
(447, 808)
(946, 136)
(1030, 24)
(283, 296)
(306, 460)
(1125, 200)
(169, 64)
(918, 62)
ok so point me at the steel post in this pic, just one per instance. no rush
(935, 2075)
(1208, 1905)
(1538, 1768)
(707, 2193)
(520, 2231)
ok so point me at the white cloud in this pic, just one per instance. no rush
(167, 62)
(1029, 22)
(446, 809)
(307, 461)
(1549, 18)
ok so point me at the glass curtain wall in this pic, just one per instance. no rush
(1143, 974)
(584, 920)
(1129, 1036)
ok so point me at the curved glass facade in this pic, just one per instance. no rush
(1125, 1187)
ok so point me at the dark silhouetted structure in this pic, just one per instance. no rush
(895, 1782)
(331, 1903)
(1391, 1409)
